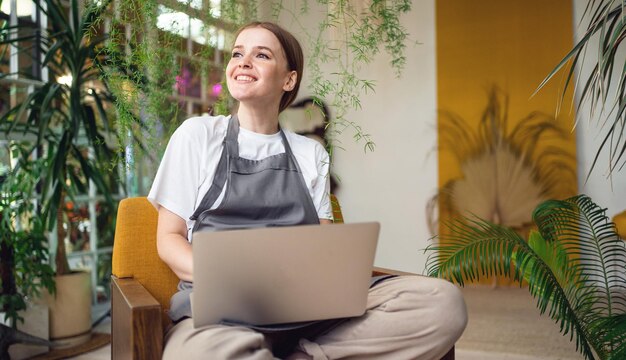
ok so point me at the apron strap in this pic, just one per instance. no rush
(221, 172)
(288, 151)
(292, 156)
(309, 200)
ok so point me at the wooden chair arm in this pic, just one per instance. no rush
(378, 271)
(136, 327)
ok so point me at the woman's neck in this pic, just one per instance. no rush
(259, 121)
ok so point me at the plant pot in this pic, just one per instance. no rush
(70, 309)
(36, 324)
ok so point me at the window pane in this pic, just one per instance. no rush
(196, 4)
(24, 8)
(197, 32)
(216, 10)
(181, 24)
(173, 21)
(5, 160)
(216, 37)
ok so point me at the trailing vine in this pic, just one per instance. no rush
(143, 62)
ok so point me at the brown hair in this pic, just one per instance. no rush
(293, 54)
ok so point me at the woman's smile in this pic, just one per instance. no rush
(257, 73)
(244, 78)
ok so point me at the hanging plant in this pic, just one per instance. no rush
(351, 34)
(144, 63)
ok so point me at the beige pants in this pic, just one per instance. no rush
(408, 317)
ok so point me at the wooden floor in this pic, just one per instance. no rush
(504, 323)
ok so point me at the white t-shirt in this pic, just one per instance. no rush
(188, 166)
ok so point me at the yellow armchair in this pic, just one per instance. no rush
(141, 285)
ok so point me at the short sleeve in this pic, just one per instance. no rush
(321, 187)
(177, 181)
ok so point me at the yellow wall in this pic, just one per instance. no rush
(512, 44)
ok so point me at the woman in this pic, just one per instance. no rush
(200, 186)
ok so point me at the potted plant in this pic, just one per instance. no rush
(67, 133)
(24, 268)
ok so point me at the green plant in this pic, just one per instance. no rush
(24, 268)
(60, 117)
(606, 21)
(574, 265)
(142, 52)
(348, 38)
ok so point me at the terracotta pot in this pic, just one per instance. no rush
(70, 309)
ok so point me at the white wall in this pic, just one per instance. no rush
(392, 184)
(606, 192)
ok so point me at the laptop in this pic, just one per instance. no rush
(282, 275)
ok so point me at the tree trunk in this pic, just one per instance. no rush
(62, 266)
(7, 281)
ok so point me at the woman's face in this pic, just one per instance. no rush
(257, 72)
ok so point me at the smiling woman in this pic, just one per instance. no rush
(259, 72)
(243, 171)
(272, 51)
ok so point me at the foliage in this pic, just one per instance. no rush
(575, 266)
(138, 72)
(142, 76)
(504, 174)
(60, 118)
(607, 23)
(357, 35)
(24, 267)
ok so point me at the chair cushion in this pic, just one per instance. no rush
(337, 215)
(135, 253)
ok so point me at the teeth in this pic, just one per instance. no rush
(245, 78)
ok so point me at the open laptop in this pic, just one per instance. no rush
(282, 274)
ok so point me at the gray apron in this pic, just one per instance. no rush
(259, 193)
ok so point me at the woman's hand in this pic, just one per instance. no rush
(172, 244)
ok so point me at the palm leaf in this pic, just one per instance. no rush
(585, 231)
(607, 21)
(613, 332)
(574, 267)
(477, 249)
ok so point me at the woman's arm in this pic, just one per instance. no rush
(325, 221)
(172, 244)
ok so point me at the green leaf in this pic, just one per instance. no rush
(574, 266)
